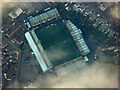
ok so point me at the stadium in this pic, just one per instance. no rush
(55, 41)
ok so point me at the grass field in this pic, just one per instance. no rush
(57, 43)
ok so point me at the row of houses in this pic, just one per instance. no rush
(10, 33)
(77, 36)
(13, 29)
(46, 16)
(17, 40)
(5, 45)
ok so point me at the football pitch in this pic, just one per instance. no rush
(57, 43)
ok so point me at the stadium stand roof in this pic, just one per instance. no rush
(70, 66)
(77, 36)
(46, 16)
(38, 50)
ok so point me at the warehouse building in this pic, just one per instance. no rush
(15, 12)
(38, 51)
(77, 36)
(42, 18)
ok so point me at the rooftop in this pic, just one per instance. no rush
(18, 40)
(13, 29)
(48, 15)
(69, 66)
(38, 51)
(77, 36)
(15, 12)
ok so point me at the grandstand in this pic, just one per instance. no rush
(38, 51)
(77, 36)
(70, 66)
(44, 17)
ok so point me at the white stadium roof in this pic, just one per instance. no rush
(38, 51)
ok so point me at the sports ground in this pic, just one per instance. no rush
(57, 43)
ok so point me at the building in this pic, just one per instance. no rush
(1, 79)
(42, 18)
(15, 12)
(70, 66)
(17, 40)
(28, 24)
(77, 36)
(38, 50)
(1, 58)
(3, 44)
(13, 29)
(8, 47)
